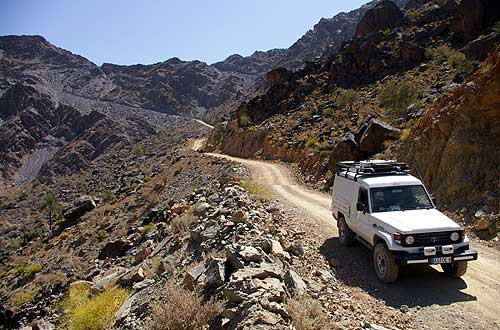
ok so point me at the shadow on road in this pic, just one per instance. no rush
(418, 285)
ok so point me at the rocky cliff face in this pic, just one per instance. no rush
(455, 144)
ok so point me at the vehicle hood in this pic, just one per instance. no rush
(422, 221)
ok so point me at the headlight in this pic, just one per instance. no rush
(455, 236)
(409, 240)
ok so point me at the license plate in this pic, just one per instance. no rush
(441, 260)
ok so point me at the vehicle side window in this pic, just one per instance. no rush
(363, 196)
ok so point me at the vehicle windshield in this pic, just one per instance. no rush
(399, 198)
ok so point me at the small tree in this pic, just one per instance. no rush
(53, 208)
(347, 97)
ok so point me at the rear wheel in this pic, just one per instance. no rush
(457, 269)
(346, 235)
(385, 266)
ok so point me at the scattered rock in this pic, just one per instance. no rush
(113, 249)
(294, 283)
(295, 248)
(83, 205)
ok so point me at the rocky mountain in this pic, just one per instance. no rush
(372, 92)
(39, 81)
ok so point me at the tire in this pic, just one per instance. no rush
(346, 235)
(456, 270)
(385, 266)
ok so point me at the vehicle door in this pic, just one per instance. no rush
(362, 217)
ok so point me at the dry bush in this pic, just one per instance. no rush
(180, 224)
(184, 310)
(308, 314)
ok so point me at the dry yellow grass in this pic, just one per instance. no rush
(308, 314)
(96, 312)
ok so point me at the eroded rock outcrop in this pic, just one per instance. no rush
(455, 144)
(385, 15)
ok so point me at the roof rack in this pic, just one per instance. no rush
(371, 168)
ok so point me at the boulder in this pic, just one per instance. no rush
(411, 53)
(479, 48)
(214, 274)
(265, 270)
(294, 283)
(106, 281)
(192, 275)
(143, 252)
(201, 209)
(472, 16)
(276, 248)
(375, 134)
(345, 149)
(384, 15)
(251, 254)
(134, 275)
(81, 206)
(296, 248)
(116, 248)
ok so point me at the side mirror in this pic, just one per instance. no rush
(360, 207)
(434, 200)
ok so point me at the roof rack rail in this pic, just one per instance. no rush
(371, 168)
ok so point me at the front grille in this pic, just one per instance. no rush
(433, 239)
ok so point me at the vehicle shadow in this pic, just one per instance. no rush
(418, 285)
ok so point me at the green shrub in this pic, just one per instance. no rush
(347, 98)
(139, 149)
(455, 59)
(184, 310)
(108, 196)
(30, 235)
(328, 112)
(147, 228)
(33, 269)
(102, 234)
(92, 312)
(311, 142)
(244, 120)
(24, 296)
(397, 96)
(255, 188)
(65, 235)
(496, 27)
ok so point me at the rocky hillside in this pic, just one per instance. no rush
(373, 91)
(52, 98)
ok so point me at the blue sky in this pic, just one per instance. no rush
(129, 32)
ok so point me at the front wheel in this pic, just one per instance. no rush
(346, 235)
(385, 266)
(457, 269)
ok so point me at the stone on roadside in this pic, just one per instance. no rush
(294, 283)
(296, 248)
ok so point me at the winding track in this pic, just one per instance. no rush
(479, 289)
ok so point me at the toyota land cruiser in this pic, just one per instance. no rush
(381, 205)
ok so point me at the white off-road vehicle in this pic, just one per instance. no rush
(390, 211)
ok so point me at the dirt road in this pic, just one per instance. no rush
(473, 298)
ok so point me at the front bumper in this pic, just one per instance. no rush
(418, 258)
